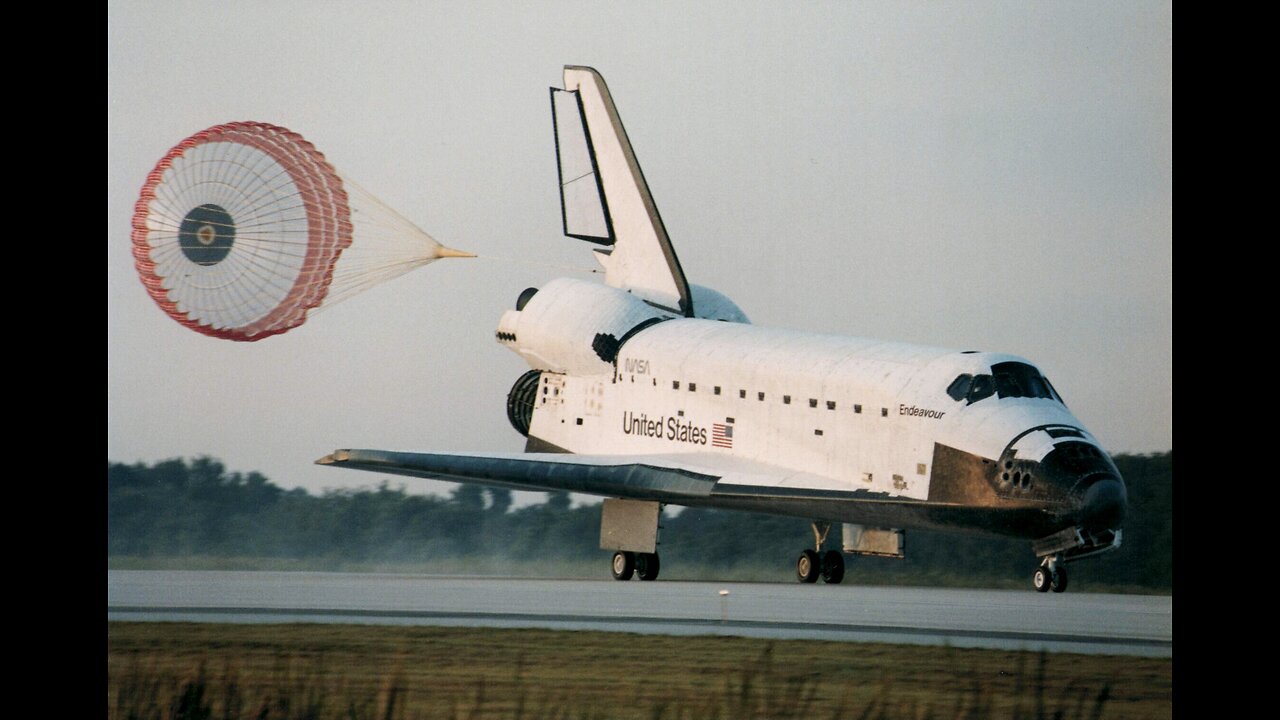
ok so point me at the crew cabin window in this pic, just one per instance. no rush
(959, 388)
(983, 387)
(1057, 396)
(1007, 380)
(1015, 379)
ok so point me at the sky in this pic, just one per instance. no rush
(991, 176)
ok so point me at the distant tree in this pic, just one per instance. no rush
(558, 501)
(180, 508)
(499, 501)
(469, 498)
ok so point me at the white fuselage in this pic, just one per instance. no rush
(845, 414)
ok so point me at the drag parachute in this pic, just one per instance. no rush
(244, 228)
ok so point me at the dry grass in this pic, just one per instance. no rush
(320, 671)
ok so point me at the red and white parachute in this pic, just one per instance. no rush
(243, 228)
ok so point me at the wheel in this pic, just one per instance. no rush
(833, 567)
(647, 566)
(624, 564)
(1041, 579)
(808, 567)
(1059, 581)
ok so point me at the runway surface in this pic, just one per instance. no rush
(1080, 622)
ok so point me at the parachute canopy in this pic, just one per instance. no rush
(243, 228)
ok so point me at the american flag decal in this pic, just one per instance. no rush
(721, 435)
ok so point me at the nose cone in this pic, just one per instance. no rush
(1104, 505)
(1086, 483)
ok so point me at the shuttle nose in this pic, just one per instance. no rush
(1087, 482)
(1104, 505)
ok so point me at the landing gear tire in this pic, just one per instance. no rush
(1041, 579)
(808, 567)
(832, 567)
(647, 566)
(624, 565)
(1059, 581)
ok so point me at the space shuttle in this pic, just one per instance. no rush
(649, 390)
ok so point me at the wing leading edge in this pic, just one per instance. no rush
(685, 477)
(621, 476)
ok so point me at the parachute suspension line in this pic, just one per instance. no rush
(389, 246)
(243, 229)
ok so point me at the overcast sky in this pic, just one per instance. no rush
(993, 176)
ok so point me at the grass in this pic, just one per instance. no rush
(277, 672)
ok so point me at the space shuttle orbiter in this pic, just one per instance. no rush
(649, 390)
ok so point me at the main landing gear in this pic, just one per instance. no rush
(625, 564)
(812, 563)
(1051, 575)
(629, 527)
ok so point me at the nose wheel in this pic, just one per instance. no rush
(1051, 575)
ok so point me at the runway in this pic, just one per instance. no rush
(1080, 622)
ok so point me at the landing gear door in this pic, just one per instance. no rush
(629, 525)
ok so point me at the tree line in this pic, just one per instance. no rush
(179, 509)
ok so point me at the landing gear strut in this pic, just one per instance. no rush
(1051, 575)
(812, 563)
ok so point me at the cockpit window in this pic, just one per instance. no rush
(1055, 392)
(959, 387)
(983, 388)
(1015, 379)
(1007, 379)
(1006, 386)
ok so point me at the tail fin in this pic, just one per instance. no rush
(604, 198)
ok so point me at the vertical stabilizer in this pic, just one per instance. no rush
(604, 197)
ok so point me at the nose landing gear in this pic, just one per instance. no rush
(1051, 575)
